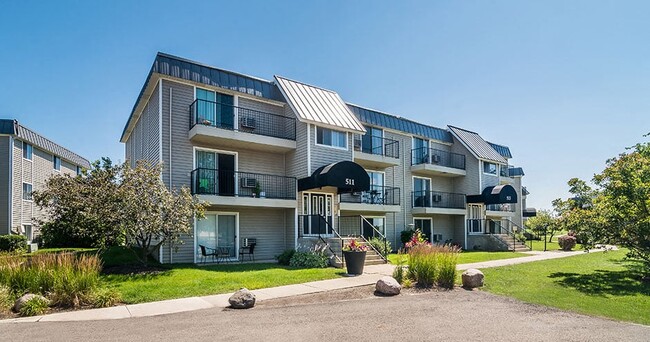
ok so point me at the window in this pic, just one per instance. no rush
(57, 163)
(27, 151)
(421, 192)
(78, 170)
(376, 193)
(420, 153)
(214, 109)
(372, 142)
(490, 168)
(27, 191)
(424, 225)
(29, 233)
(330, 137)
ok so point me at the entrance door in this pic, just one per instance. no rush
(475, 218)
(319, 206)
(425, 226)
(215, 231)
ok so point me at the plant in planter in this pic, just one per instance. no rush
(257, 190)
(355, 256)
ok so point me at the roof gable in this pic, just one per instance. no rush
(318, 106)
(479, 147)
(502, 150)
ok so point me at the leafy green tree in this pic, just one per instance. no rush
(80, 210)
(543, 223)
(151, 214)
(624, 207)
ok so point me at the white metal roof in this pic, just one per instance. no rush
(479, 147)
(318, 106)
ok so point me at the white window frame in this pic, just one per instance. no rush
(331, 146)
(236, 154)
(31, 151)
(196, 245)
(496, 172)
(54, 159)
(381, 217)
(30, 236)
(430, 219)
(420, 177)
(31, 199)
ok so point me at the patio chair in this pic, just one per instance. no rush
(207, 252)
(247, 248)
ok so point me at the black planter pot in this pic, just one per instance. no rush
(354, 261)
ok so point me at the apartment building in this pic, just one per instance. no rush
(27, 160)
(288, 163)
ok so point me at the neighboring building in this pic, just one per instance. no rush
(27, 159)
(286, 163)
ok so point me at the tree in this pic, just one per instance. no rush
(543, 223)
(624, 207)
(150, 213)
(80, 209)
(577, 212)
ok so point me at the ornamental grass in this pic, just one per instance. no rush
(430, 265)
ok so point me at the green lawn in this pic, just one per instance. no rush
(600, 284)
(538, 245)
(190, 280)
(468, 257)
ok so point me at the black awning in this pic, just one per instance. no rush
(529, 212)
(346, 176)
(495, 195)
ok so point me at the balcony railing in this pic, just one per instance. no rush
(506, 207)
(381, 195)
(376, 145)
(426, 155)
(437, 199)
(234, 118)
(242, 184)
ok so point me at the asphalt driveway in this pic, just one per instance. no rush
(351, 314)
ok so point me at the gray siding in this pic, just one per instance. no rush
(144, 141)
(324, 155)
(297, 160)
(260, 106)
(271, 228)
(5, 185)
(181, 161)
(470, 183)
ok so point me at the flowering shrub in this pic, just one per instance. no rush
(417, 239)
(567, 242)
(354, 246)
(310, 257)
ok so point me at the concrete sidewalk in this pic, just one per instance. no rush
(371, 275)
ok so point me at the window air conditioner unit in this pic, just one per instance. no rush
(247, 122)
(248, 182)
(435, 159)
(437, 198)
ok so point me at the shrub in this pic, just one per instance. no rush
(33, 307)
(406, 235)
(285, 257)
(309, 260)
(398, 272)
(422, 265)
(12, 243)
(6, 299)
(103, 298)
(379, 245)
(429, 265)
(447, 260)
(566, 242)
(67, 279)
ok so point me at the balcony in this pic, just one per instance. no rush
(437, 202)
(227, 187)
(504, 209)
(232, 126)
(376, 152)
(379, 199)
(433, 162)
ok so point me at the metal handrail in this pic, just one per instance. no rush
(384, 195)
(378, 146)
(437, 199)
(205, 181)
(429, 155)
(510, 232)
(322, 219)
(383, 237)
(242, 119)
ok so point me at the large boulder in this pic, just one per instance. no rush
(242, 299)
(472, 278)
(20, 302)
(388, 286)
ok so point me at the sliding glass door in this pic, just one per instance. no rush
(216, 173)
(217, 231)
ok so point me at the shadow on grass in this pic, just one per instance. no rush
(605, 282)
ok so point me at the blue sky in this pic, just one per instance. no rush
(565, 84)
